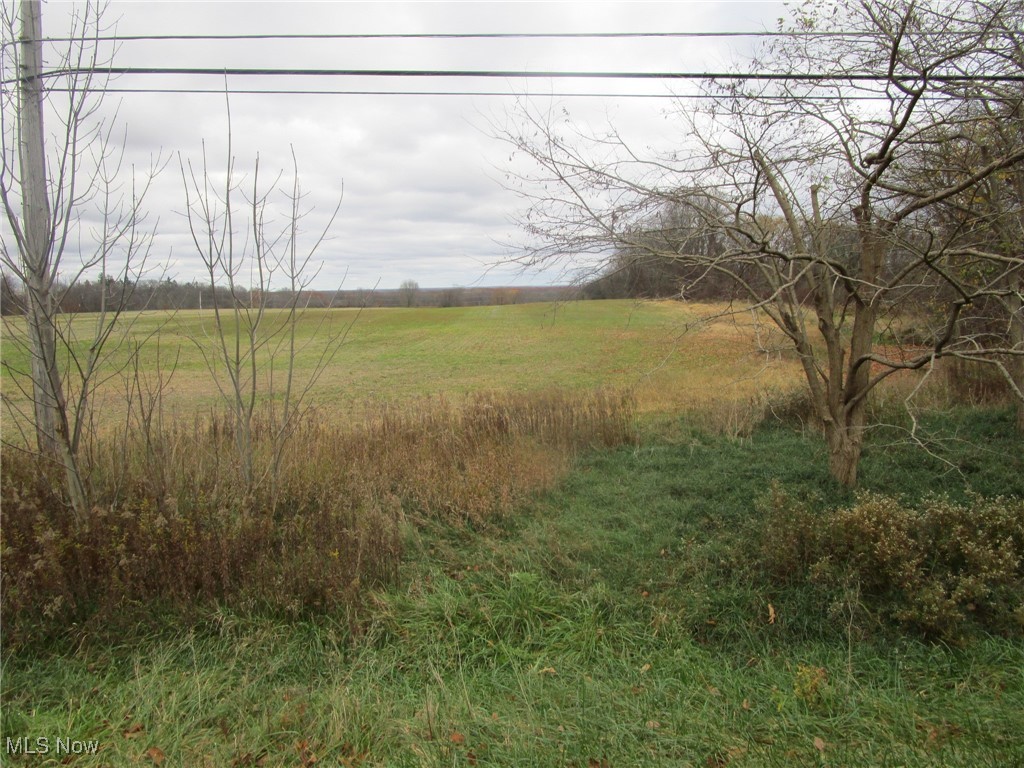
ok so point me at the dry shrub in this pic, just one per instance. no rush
(976, 383)
(170, 523)
(311, 552)
(949, 382)
(935, 567)
(740, 417)
(790, 541)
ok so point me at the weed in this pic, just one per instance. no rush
(330, 528)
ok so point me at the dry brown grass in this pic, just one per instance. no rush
(170, 523)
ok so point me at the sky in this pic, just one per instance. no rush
(419, 178)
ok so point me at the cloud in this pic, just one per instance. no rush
(418, 175)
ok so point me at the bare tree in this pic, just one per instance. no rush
(451, 297)
(251, 246)
(408, 293)
(986, 220)
(801, 178)
(70, 211)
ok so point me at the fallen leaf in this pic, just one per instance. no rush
(306, 757)
(819, 743)
(156, 755)
(746, 704)
(771, 613)
(133, 731)
(458, 738)
(248, 760)
(653, 725)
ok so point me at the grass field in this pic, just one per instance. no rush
(659, 350)
(618, 617)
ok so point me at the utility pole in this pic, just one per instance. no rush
(36, 241)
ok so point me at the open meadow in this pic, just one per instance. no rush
(662, 352)
(588, 534)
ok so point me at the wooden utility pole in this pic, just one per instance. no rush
(37, 255)
(36, 245)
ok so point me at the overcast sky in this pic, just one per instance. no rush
(419, 176)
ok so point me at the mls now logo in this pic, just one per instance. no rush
(23, 745)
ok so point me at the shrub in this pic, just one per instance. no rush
(170, 526)
(935, 567)
(976, 382)
(791, 538)
(312, 553)
(741, 417)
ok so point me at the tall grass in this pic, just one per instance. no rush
(170, 523)
(903, 404)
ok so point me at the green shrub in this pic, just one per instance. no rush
(791, 539)
(936, 567)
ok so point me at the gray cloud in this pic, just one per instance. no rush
(419, 175)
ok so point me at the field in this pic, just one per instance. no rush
(661, 351)
(611, 608)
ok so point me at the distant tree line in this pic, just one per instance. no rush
(169, 294)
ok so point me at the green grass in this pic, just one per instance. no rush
(613, 622)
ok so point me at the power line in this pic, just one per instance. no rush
(520, 74)
(575, 94)
(456, 36)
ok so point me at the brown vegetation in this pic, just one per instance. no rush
(171, 523)
(935, 566)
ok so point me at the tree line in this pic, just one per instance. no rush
(168, 294)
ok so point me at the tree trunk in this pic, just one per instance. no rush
(1015, 305)
(42, 346)
(1020, 403)
(1017, 364)
(844, 452)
